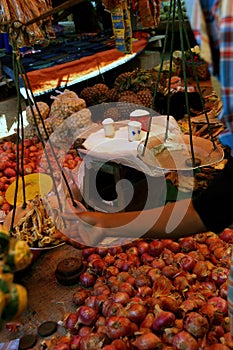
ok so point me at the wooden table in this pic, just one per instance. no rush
(47, 299)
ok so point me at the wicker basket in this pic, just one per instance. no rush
(201, 68)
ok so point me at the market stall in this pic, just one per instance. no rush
(58, 290)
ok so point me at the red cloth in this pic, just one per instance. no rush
(61, 75)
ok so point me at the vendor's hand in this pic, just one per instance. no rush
(82, 227)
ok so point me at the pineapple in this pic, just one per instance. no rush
(145, 96)
(112, 95)
(123, 81)
(126, 93)
(100, 91)
(32, 114)
(88, 95)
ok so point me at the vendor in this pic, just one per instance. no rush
(212, 210)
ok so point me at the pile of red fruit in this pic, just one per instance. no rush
(31, 152)
(152, 295)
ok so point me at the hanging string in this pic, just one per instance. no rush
(158, 78)
(173, 7)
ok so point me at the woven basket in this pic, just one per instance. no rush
(201, 68)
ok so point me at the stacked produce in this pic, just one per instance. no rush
(49, 118)
(34, 162)
(146, 295)
(14, 255)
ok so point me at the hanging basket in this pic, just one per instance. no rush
(201, 68)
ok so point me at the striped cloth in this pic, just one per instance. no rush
(217, 34)
(212, 23)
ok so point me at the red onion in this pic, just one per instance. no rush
(215, 334)
(181, 283)
(62, 346)
(111, 271)
(91, 301)
(126, 288)
(196, 324)
(227, 235)
(132, 250)
(187, 263)
(146, 258)
(184, 340)
(136, 312)
(100, 290)
(172, 246)
(219, 275)
(98, 266)
(163, 319)
(203, 249)
(70, 322)
(154, 274)
(93, 257)
(86, 315)
(224, 290)
(187, 244)
(169, 333)
(227, 340)
(144, 291)
(170, 270)
(191, 304)
(155, 248)
(84, 330)
(142, 247)
(92, 341)
(218, 346)
(123, 276)
(148, 320)
(158, 263)
(110, 308)
(87, 279)
(142, 280)
(109, 259)
(201, 270)
(168, 256)
(162, 286)
(120, 344)
(75, 342)
(80, 296)
(120, 297)
(196, 255)
(118, 327)
(206, 288)
(211, 312)
(169, 303)
(123, 265)
(87, 251)
(109, 347)
(102, 251)
(115, 250)
(220, 304)
(148, 341)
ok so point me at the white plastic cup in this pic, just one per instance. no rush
(142, 116)
(134, 131)
(109, 127)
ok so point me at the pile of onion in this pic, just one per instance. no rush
(150, 295)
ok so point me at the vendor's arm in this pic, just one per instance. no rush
(175, 220)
